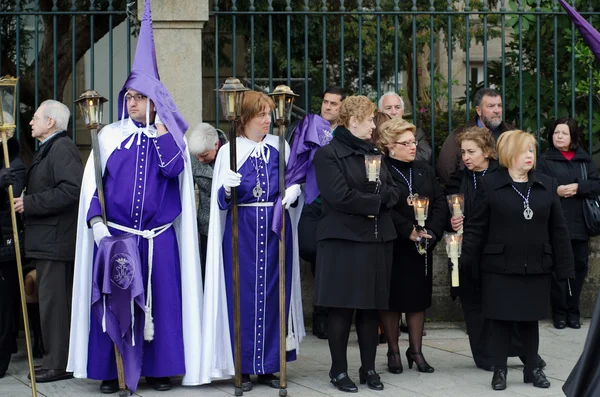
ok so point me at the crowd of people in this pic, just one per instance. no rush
(137, 272)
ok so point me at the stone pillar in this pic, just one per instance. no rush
(178, 41)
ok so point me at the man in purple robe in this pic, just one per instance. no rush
(149, 197)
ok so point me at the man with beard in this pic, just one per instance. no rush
(488, 104)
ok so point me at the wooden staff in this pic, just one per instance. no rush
(235, 264)
(13, 218)
(100, 187)
(282, 311)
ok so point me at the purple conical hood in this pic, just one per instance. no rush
(589, 34)
(144, 79)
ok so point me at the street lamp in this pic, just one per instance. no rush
(231, 94)
(283, 97)
(91, 103)
(8, 115)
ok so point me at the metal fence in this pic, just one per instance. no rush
(528, 50)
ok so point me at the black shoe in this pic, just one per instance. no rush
(159, 384)
(537, 377)
(109, 386)
(52, 375)
(4, 362)
(499, 379)
(560, 324)
(423, 367)
(575, 324)
(269, 380)
(394, 363)
(371, 378)
(246, 382)
(344, 383)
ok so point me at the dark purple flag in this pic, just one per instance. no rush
(312, 133)
(144, 78)
(589, 34)
(118, 300)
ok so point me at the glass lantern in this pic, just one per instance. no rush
(421, 207)
(456, 203)
(231, 94)
(372, 166)
(453, 250)
(283, 97)
(91, 104)
(8, 100)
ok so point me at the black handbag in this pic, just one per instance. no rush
(591, 209)
(7, 247)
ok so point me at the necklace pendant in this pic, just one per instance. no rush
(528, 213)
(257, 191)
(411, 199)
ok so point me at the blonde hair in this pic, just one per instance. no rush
(482, 138)
(391, 130)
(358, 106)
(253, 102)
(512, 144)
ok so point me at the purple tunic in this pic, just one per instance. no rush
(259, 266)
(141, 187)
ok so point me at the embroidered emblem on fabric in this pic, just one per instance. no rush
(166, 99)
(122, 269)
(325, 136)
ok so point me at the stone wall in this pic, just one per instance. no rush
(444, 308)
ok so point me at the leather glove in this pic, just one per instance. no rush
(100, 231)
(7, 177)
(371, 187)
(291, 195)
(432, 240)
(232, 179)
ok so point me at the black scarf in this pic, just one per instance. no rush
(360, 146)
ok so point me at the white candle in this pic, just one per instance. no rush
(281, 107)
(454, 259)
(92, 112)
(457, 213)
(372, 174)
(231, 107)
(421, 216)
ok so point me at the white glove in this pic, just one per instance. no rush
(100, 231)
(232, 179)
(157, 120)
(291, 195)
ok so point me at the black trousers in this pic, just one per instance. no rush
(203, 249)
(55, 287)
(307, 245)
(9, 298)
(501, 340)
(565, 307)
(476, 328)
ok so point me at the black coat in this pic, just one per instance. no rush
(510, 243)
(411, 286)
(51, 200)
(6, 229)
(554, 164)
(341, 177)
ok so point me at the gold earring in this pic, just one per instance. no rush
(392, 154)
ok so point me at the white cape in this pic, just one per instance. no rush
(216, 352)
(186, 230)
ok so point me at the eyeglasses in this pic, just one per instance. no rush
(136, 97)
(407, 143)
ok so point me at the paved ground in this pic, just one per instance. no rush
(445, 347)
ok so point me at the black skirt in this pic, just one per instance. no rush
(411, 285)
(513, 297)
(352, 274)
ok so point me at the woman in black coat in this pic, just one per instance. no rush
(355, 234)
(566, 161)
(411, 277)
(513, 240)
(9, 280)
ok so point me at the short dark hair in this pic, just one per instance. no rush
(491, 92)
(573, 132)
(336, 90)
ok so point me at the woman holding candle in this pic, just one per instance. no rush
(514, 238)
(411, 271)
(354, 250)
(565, 160)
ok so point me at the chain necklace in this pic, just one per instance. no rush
(528, 212)
(411, 197)
(257, 191)
(475, 178)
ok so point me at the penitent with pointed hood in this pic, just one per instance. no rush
(141, 273)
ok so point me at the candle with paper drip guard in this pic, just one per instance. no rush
(421, 205)
(456, 203)
(453, 249)
(372, 166)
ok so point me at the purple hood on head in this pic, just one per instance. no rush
(589, 34)
(144, 79)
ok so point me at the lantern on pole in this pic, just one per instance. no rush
(91, 104)
(8, 115)
(283, 97)
(231, 94)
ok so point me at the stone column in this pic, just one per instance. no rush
(178, 41)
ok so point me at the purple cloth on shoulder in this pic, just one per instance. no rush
(118, 300)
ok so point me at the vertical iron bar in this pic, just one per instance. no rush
(36, 7)
(432, 80)
(288, 9)
(18, 74)
(216, 65)
(252, 10)
(360, 46)
(54, 52)
(306, 92)
(414, 61)
(324, 44)
(378, 28)
(92, 61)
(573, 66)
(234, 39)
(467, 58)
(110, 60)
(520, 10)
(396, 60)
(74, 71)
(128, 35)
(485, 9)
(342, 60)
(591, 90)
(555, 9)
(538, 16)
(503, 45)
(270, 8)
(449, 9)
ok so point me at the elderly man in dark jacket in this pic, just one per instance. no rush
(50, 210)
(488, 104)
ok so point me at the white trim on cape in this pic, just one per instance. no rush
(216, 351)
(110, 137)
